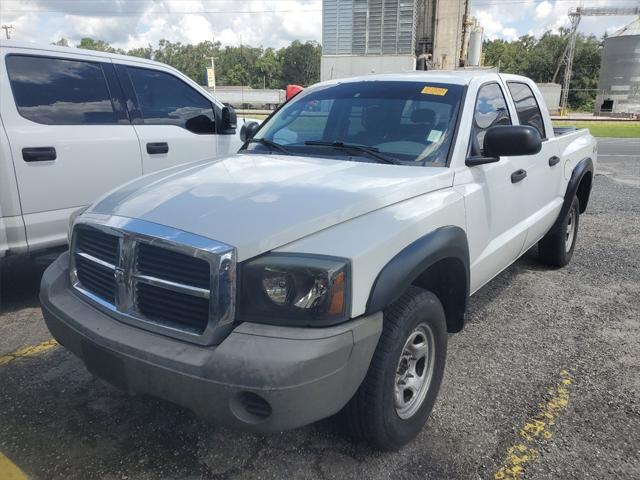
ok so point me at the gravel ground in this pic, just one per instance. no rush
(553, 352)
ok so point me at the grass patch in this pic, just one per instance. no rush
(605, 129)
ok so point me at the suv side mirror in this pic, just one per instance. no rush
(229, 121)
(248, 130)
(511, 140)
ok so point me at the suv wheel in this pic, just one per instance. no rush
(556, 248)
(399, 391)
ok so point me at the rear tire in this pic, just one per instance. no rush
(398, 393)
(556, 247)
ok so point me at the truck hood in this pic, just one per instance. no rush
(260, 202)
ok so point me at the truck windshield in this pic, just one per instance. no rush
(411, 123)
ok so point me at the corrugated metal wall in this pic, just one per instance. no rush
(368, 27)
(619, 85)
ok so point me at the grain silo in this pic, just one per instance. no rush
(619, 85)
(360, 37)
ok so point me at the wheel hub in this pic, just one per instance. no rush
(414, 371)
(571, 230)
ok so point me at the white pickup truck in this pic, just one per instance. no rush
(76, 123)
(322, 267)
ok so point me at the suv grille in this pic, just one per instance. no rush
(177, 288)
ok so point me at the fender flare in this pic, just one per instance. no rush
(449, 242)
(583, 167)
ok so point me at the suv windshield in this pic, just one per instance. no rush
(411, 123)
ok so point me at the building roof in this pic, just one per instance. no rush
(632, 29)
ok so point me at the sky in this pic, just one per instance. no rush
(269, 23)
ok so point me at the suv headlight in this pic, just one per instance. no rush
(295, 289)
(72, 219)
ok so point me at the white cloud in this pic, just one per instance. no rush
(271, 23)
(536, 17)
(543, 10)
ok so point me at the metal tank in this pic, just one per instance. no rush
(474, 54)
(619, 85)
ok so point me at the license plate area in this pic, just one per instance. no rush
(105, 365)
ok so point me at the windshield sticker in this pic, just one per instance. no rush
(434, 136)
(441, 92)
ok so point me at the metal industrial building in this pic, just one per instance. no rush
(387, 36)
(619, 85)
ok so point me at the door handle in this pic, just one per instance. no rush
(518, 175)
(157, 148)
(39, 154)
(554, 161)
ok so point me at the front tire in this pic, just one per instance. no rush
(398, 393)
(556, 248)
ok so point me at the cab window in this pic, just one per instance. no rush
(166, 100)
(527, 107)
(490, 110)
(56, 91)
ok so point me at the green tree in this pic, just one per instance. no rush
(539, 59)
(142, 52)
(269, 66)
(100, 45)
(254, 67)
(63, 42)
(300, 63)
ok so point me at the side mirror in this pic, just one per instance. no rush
(248, 130)
(229, 121)
(511, 140)
(507, 140)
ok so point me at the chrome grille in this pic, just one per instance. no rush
(155, 277)
(98, 244)
(165, 306)
(96, 255)
(173, 266)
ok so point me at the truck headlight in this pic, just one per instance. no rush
(295, 289)
(72, 219)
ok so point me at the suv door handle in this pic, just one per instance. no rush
(554, 161)
(39, 154)
(157, 148)
(518, 175)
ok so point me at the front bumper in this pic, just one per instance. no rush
(261, 377)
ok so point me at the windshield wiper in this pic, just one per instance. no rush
(273, 145)
(372, 152)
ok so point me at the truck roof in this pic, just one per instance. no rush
(455, 77)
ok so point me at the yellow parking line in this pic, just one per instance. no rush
(28, 351)
(8, 471)
(536, 430)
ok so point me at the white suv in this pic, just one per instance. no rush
(76, 123)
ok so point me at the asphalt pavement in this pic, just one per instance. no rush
(544, 381)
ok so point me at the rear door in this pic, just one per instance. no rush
(174, 122)
(544, 169)
(70, 137)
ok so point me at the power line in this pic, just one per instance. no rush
(90, 13)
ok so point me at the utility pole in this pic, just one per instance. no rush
(7, 30)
